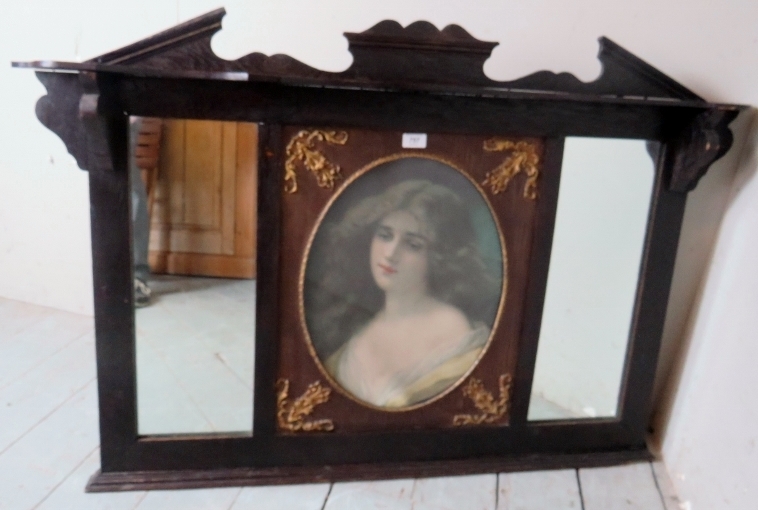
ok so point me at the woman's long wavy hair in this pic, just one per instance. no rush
(340, 293)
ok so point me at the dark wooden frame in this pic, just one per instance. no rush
(414, 79)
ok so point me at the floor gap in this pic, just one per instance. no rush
(328, 493)
(579, 484)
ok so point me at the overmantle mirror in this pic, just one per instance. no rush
(402, 269)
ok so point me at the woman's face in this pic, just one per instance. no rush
(399, 253)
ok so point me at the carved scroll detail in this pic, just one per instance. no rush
(302, 148)
(291, 415)
(522, 158)
(704, 141)
(491, 410)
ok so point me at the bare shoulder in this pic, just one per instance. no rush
(449, 319)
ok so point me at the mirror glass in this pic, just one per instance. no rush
(603, 204)
(194, 202)
(403, 282)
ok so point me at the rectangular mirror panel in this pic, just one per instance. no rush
(603, 205)
(194, 202)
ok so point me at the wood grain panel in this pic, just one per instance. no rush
(227, 194)
(204, 218)
(223, 266)
(172, 171)
(300, 212)
(245, 226)
(203, 148)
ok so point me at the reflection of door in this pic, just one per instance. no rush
(203, 217)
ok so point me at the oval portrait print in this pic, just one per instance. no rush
(402, 282)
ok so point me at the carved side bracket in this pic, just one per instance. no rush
(58, 111)
(700, 144)
(71, 110)
(99, 153)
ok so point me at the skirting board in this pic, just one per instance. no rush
(168, 480)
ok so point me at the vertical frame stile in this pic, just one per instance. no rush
(542, 241)
(656, 272)
(113, 285)
(270, 184)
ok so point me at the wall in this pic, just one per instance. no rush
(712, 47)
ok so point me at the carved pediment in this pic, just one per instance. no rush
(419, 56)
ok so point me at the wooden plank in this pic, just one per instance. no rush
(29, 399)
(444, 493)
(476, 492)
(202, 172)
(281, 497)
(228, 183)
(387, 494)
(666, 487)
(190, 499)
(16, 316)
(247, 190)
(212, 201)
(194, 239)
(223, 266)
(171, 177)
(39, 461)
(539, 490)
(70, 494)
(630, 487)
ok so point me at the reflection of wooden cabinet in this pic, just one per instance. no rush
(204, 209)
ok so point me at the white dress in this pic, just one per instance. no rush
(427, 378)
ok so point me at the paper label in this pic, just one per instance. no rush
(414, 140)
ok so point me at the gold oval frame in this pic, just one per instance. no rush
(301, 281)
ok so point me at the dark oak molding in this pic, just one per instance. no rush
(414, 57)
(169, 480)
(387, 54)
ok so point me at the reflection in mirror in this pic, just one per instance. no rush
(194, 192)
(603, 204)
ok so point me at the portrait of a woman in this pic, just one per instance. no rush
(399, 301)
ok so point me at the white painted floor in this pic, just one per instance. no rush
(49, 448)
(195, 347)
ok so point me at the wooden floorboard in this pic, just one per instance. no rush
(385, 494)
(539, 490)
(190, 499)
(28, 400)
(41, 460)
(16, 316)
(664, 484)
(70, 495)
(455, 493)
(630, 487)
(281, 497)
(30, 346)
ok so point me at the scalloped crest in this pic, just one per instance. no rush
(389, 54)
